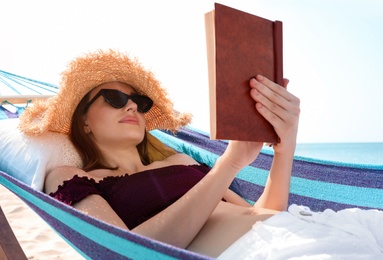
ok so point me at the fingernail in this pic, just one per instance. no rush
(259, 77)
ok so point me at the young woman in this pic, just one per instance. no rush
(107, 104)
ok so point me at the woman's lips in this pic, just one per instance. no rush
(129, 120)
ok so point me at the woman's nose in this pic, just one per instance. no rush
(130, 105)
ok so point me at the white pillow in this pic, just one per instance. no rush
(29, 158)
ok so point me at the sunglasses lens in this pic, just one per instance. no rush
(119, 99)
(115, 98)
(143, 103)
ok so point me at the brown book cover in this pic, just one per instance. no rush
(240, 46)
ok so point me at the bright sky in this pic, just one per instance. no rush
(332, 52)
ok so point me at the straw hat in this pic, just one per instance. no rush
(87, 72)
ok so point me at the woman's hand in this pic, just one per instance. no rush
(277, 106)
(280, 108)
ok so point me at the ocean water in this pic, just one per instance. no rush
(353, 153)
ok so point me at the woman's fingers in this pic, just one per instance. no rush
(272, 93)
(275, 98)
(269, 103)
(276, 105)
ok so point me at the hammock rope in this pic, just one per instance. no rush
(25, 85)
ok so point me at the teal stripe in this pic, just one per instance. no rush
(195, 152)
(352, 195)
(340, 193)
(102, 237)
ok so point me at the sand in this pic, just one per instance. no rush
(36, 238)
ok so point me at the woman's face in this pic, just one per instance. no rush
(114, 126)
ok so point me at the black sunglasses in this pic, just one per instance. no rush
(118, 99)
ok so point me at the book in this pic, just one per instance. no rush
(240, 46)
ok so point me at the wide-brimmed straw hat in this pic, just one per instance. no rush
(89, 71)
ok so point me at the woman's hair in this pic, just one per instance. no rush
(150, 149)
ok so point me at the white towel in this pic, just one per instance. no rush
(303, 234)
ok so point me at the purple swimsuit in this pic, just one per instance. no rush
(137, 197)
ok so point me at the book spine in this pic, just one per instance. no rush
(278, 52)
(211, 62)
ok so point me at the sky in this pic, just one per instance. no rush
(332, 52)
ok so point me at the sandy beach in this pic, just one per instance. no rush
(36, 238)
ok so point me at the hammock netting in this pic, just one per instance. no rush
(12, 84)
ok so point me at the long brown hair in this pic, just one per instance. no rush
(150, 149)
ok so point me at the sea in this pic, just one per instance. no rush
(349, 153)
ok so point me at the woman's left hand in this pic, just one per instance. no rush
(280, 108)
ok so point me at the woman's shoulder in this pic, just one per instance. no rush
(57, 176)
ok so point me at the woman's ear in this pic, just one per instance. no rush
(87, 129)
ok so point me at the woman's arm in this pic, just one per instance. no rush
(96, 206)
(282, 110)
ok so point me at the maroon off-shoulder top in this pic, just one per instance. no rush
(137, 197)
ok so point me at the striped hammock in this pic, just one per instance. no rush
(316, 184)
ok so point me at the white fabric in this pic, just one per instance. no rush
(303, 234)
(29, 158)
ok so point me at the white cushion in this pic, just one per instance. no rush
(29, 159)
